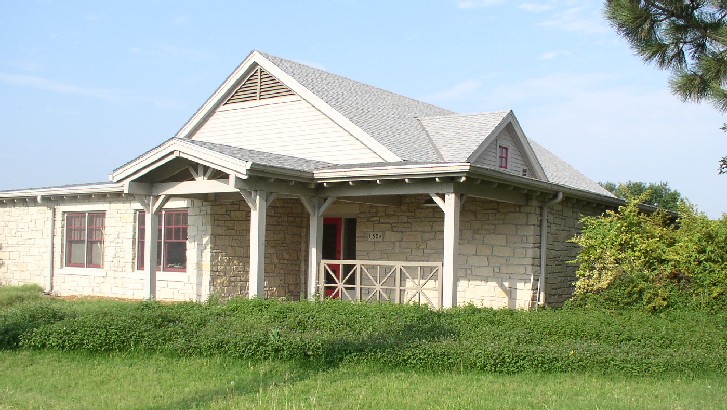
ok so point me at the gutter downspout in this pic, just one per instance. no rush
(51, 244)
(544, 246)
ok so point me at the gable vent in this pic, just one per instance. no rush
(260, 85)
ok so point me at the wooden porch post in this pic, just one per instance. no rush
(450, 259)
(151, 204)
(258, 202)
(315, 207)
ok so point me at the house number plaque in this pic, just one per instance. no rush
(376, 236)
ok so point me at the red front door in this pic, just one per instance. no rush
(332, 250)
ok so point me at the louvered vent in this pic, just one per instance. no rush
(260, 85)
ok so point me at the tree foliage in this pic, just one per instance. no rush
(630, 259)
(659, 195)
(689, 38)
(686, 37)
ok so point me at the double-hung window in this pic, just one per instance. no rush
(84, 239)
(171, 240)
(502, 156)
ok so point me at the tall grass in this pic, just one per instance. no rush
(12, 295)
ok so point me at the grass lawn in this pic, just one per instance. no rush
(62, 380)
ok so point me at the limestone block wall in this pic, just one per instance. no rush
(285, 248)
(497, 245)
(25, 234)
(25, 229)
(498, 253)
(563, 225)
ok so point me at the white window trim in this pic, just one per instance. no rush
(64, 240)
(161, 270)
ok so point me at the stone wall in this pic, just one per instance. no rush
(497, 245)
(498, 253)
(563, 225)
(285, 248)
(25, 234)
(25, 244)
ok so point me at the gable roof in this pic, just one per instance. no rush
(463, 138)
(458, 136)
(398, 129)
(388, 117)
(559, 172)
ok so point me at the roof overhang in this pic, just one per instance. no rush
(430, 178)
(377, 180)
(41, 195)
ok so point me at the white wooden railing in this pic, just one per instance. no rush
(371, 281)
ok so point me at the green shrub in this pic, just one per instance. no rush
(331, 333)
(22, 318)
(630, 259)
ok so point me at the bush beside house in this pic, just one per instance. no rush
(631, 259)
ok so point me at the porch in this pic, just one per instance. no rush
(430, 234)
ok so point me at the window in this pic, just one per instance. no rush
(171, 240)
(84, 239)
(502, 153)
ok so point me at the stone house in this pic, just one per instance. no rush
(293, 182)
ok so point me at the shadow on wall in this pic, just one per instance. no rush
(2, 262)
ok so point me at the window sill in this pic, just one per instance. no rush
(70, 270)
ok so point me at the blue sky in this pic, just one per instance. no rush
(87, 86)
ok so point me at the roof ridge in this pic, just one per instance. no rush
(467, 114)
(266, 55)
(431, 140)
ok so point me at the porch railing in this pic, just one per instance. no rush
(381, 281)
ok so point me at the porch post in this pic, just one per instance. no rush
(151, 225)
(258, 202)
(315, 247)
(450, 262)
(315, 207)
(151, 204)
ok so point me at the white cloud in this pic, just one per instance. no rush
(549, 55)
(475, 4)
(535, 7)
(110, 95)
(577, 19)
(46, 84)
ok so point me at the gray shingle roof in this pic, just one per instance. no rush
(389, 118)
(415, 131)
(559, 172)
(457, 136)
(263, 158)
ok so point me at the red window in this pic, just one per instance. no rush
(502, 154)
(171, 240)
(84, 239)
